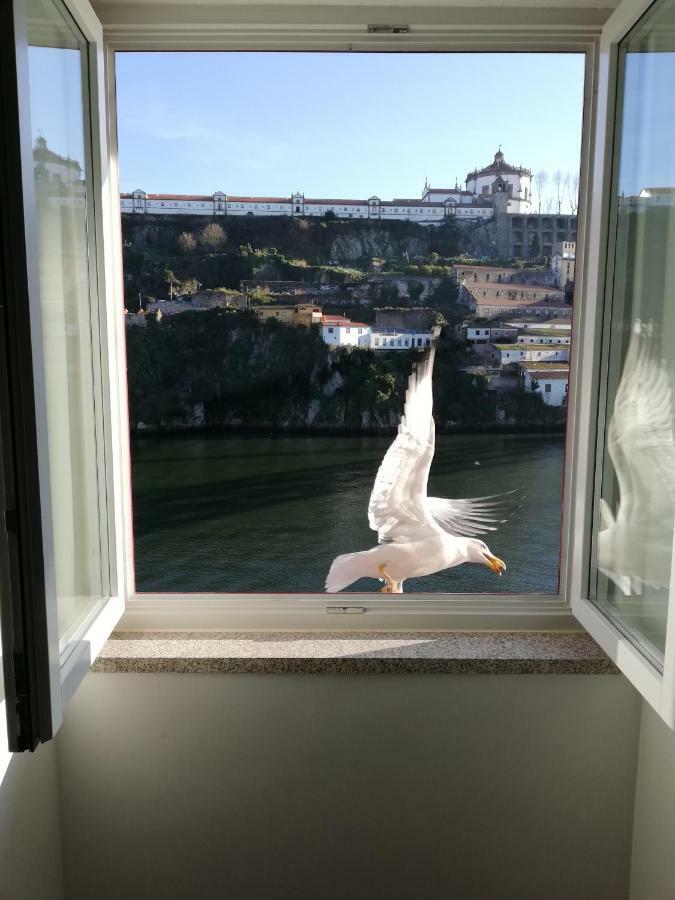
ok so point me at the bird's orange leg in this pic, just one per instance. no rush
(390, 585)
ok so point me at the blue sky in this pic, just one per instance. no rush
(340, 125)
(649, 123)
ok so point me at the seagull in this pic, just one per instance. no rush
(418, 535)
(635, 543)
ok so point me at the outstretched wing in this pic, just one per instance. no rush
(641, 435)
(472, 516)
(398, 508)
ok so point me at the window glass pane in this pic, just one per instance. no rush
(636, 473)
(269, 351)
(57, 59)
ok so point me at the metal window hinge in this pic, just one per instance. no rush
(345, 610)
(388, 29)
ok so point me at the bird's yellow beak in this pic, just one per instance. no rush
(495, 563)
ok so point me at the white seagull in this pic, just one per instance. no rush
(418, 535)
(635, 543)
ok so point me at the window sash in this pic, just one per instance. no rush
(657, 687)
(66, 667)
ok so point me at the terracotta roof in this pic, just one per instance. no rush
(411, 203)
(338, 202)
(259, 199)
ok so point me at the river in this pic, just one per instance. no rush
(238, 514)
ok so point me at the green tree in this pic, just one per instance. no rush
(535, 247)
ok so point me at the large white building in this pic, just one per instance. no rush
(497, 187)
(339, 331)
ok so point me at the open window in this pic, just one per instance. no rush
(62, 588)
(623, 585)
(66, 547)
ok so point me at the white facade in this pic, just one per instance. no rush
(562, 262)
(482, 335)
(398, 339)
(296, 205)
(499, 179)
(498, 185)
(505, 354)
(550, 384)
(533, 337)
(338, 332)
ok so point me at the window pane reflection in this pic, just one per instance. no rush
(57, 60)
(636, 503)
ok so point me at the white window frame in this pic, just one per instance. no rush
(68, 666)
(658, 688)
(154, 611)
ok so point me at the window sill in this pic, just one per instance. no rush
(479, 653)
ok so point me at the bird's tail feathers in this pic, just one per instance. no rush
(345, 569)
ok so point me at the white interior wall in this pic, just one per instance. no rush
(653, 865)
(30, 827)
(396, 786)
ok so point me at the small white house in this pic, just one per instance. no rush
(496, 333)
(338, 331)
(478, 335)
(550, 382)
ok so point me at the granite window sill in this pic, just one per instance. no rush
(485, 653)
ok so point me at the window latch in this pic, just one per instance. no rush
(388, 29)
(345, 610)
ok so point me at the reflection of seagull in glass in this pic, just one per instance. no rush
(418, 535)
(635, 545)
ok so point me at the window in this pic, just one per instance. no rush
(547, 387)
(635, 505)
(197, 498)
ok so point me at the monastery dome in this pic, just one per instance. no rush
(498, 167)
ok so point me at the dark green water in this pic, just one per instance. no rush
(269, 514)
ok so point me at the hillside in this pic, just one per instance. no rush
(310, 251)
(226, 368)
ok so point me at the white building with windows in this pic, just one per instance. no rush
(338, 331)
(485, 335)
(545, 336)
(398, 339)
(562, 262)
(498, 186)
(506, 354)
(550, 381)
